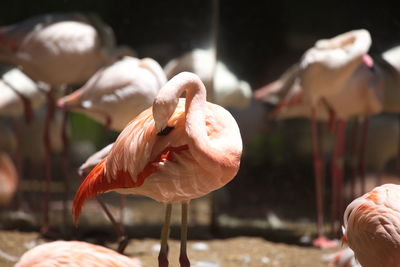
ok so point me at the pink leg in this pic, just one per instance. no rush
(337, 174)
(353, 157)
(321, 240)
(47, 160)
(65, 162)
(163, 256)
(318, 172)
(183, 258)
(361, 156)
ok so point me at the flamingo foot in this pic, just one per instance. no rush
(163, 259)
(184, 261)
(323, 242)
(122, 244)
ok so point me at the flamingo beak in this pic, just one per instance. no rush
(367, 60)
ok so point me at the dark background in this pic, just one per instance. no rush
(257, 39)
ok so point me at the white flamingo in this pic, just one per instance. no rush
(117, 93)
(223, 87)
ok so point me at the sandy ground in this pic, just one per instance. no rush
(239, 241)
(231, 252)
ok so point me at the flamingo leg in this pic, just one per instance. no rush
(163, 256)
(353, 158)
(318, 172)
(47, 160)
(65, 162)
(122, 203)
(361, 155)
(337, 174)
(183, 258)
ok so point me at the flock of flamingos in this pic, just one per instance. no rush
(177, 141)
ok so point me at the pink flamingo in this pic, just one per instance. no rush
(74, 253)
(117, 93)
(327, 78)
(177, 150)
(370, 227)
(58, 49)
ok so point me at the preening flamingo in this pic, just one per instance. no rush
(223, 87)
(74, 253)
(175, 151)
(8, 179)
(371, 227)
(117, 93)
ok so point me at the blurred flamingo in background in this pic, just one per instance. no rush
(392, 56)
(113, 96)
(177, 150)
(20, 98)
(223, 87)
(341, 258)
(330, 78)
(74, 253)
(371, 224)
(8, 179)
(117, 93)
(58, 49)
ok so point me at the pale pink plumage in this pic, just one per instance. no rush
(19, 94)
(372, 227)
(58, 48)
(74, 253)
(362, 95)
(119, 92)
(326, 67)
(223, 87)
(342, 258)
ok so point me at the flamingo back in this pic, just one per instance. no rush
(74, 254)
(372, 226)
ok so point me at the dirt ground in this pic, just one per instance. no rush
(231, 252)
(238, 242)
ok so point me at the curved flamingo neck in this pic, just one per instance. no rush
(200, 145)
